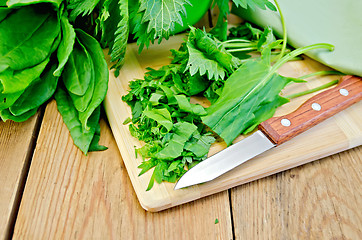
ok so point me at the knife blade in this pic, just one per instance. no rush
(277, 130)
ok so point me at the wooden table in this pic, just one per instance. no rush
(50, 190)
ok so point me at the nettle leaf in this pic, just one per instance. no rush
(207, 56)
(139, 29)
(162, 15)
(262, 4)
(114, 23)
(223, 6)
(198, 63)
(81, 7)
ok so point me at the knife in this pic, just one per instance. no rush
(277, 130)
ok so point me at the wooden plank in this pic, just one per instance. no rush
(342, 131)
(321, 200)
(16, 144)
(72, 196)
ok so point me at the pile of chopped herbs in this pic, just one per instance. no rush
(243, 90)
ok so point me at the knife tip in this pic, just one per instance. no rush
(178, 186)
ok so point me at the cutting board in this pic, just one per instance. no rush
(341, 132)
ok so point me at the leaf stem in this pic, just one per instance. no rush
(236, 40)
(321, 73)
(295, 95)
(237, 45)
(241, 49)
(285, 39)
(298, 52)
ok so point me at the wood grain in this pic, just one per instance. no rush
(321, 200)
(338, 133)
(16, 144)
(330, 101)
(72, 196)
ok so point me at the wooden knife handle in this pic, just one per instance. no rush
(314, 110)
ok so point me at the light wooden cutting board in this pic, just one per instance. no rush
(341, 132)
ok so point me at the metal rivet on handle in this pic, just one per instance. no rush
(316, 106)
(285, 122)
(343, 92)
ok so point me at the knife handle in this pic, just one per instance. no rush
(314, 110)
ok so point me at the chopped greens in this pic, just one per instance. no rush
(243, 91)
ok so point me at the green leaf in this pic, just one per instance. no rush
(155, 98)
(181, 133)
(173, 166)
(190, 85)
(6, 100)
(94, 146)
(262, 4)
(162, 116)
(266, 111)
(82, 137)
(16, 81)
(242, 97)
(76, 73)
(200, 147)
(245, 31)
(81, 7)
(20, 3)
(186, 106)
(7, 115)
(35, 26)
(100, 75)
(4, 11)
(198, 63)
(114, 23)
(82, 102)
(159, 171)
(223, 6)
(266, 38)
(146, 165)
(183, 103)
(162, 15)
(139, 28)
(206, 55)
(37, 93)
(66, 45)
